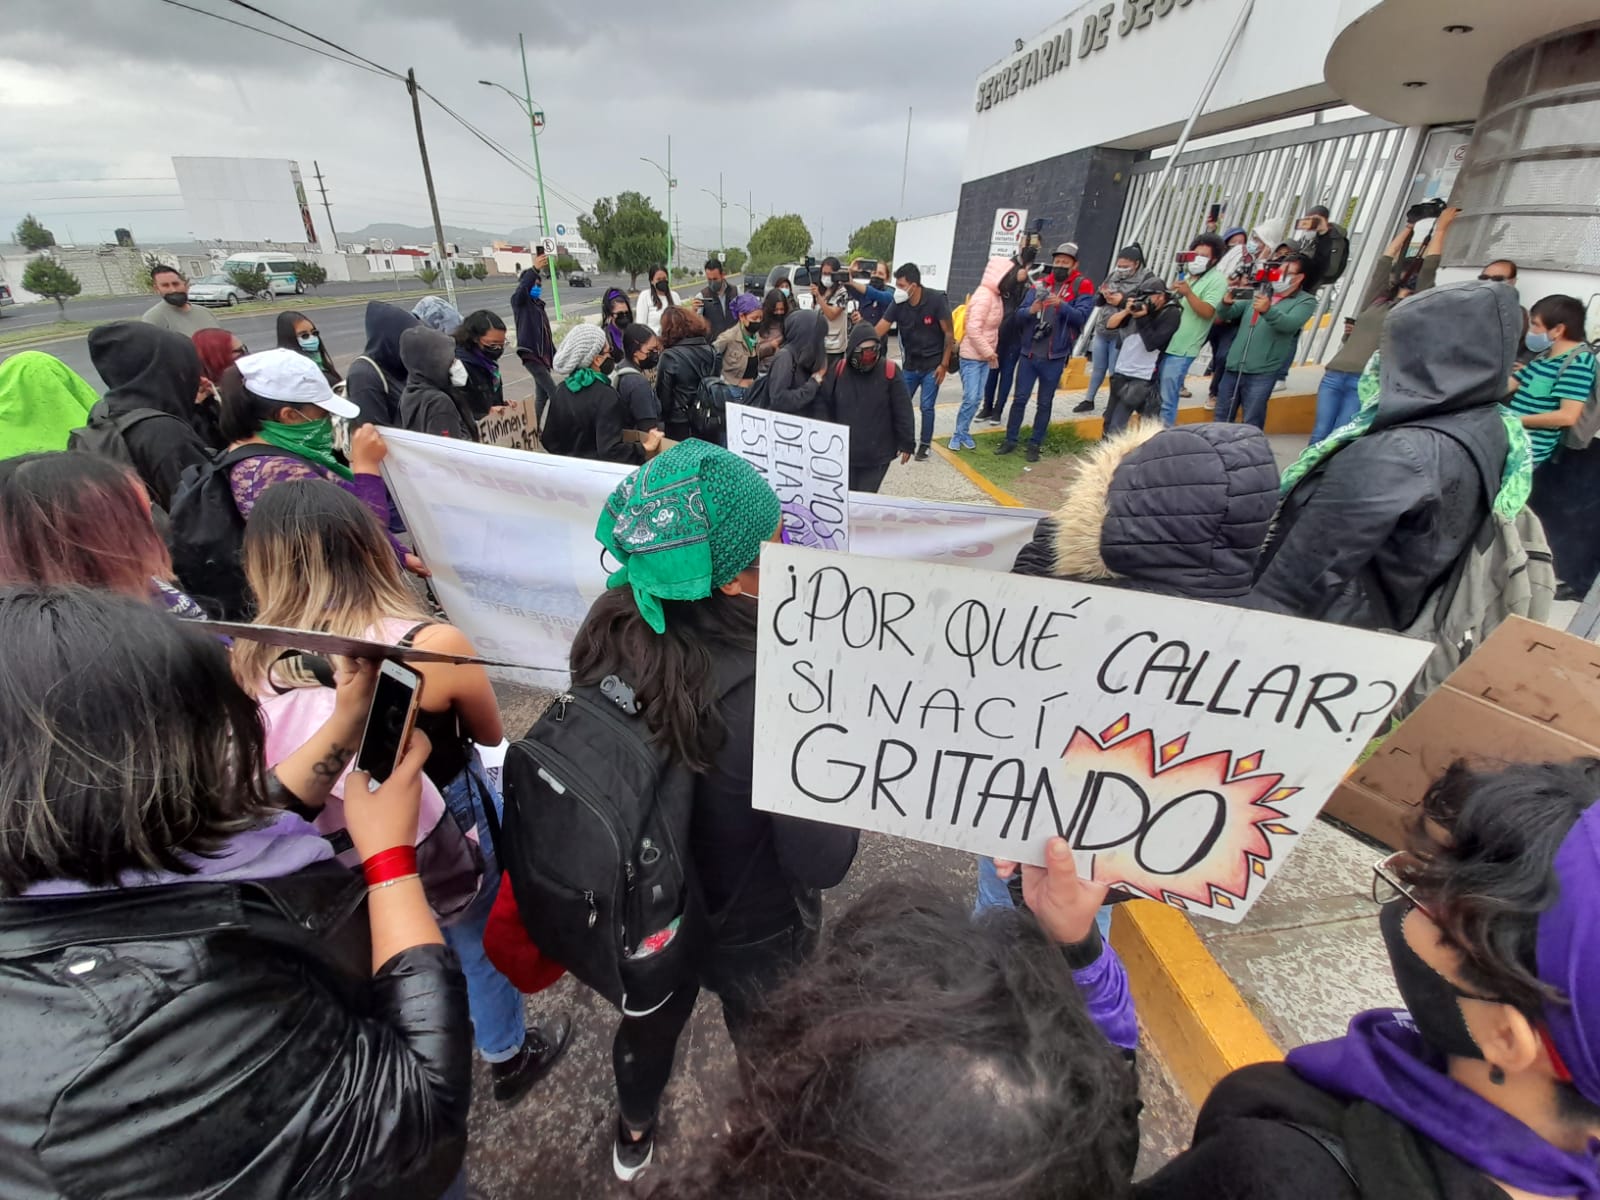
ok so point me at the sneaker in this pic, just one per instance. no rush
(1006, 448)
(545, 1044)
(1211, 403)
(985, 414)
(970, 444)
(1186, 393)
(629, 1158)
(1033, 452)
(922, 452)
(1083, 406)
(956, 443)
(1281, 385)
(993, 418)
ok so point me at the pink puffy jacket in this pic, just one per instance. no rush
(980, 339)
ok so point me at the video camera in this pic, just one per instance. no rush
(1266, 274)
(1425, 210)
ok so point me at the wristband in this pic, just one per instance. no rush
(391, 864)
(1085, 953)
(378, 887)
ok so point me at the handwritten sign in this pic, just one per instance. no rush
(1180, 747)
(807, 463)
(512, 426)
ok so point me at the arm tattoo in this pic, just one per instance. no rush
(330, 766)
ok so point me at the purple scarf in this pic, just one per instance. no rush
(1384, 1060)
(280, 847)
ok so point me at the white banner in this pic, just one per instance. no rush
(807, 463)
(1180, 747)
(509, 537)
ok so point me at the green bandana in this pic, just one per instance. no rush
(684, 524)
(311, 440)
(583, 377)
(1516, 480)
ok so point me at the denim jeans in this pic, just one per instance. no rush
(929, 387)
(974, 374)
(1244, 393)
(993, 892)
(1047, 372)
(1337, 401)
(1174, 371)
(498, 1023)
(1102, 360)
(998, 387)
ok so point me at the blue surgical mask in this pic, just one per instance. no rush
(1538, 343)
(309, 342)
(536, 290)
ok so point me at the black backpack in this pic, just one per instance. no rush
(708, 417)
(1332, 255)
(206, 535)
(596, 842)
(108, 435)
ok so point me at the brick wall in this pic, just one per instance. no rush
(1081, 194)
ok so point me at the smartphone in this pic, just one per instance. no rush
(1214, 214)
(389, 720)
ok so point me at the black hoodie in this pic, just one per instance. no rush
(146, 369)
(790, 388)
(874, 404)
(430, 403)
(1364, 539)
(375, 389)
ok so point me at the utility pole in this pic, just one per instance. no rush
(670, 184)
(676, 244)
(534, 121)
(332, 234)
(905, 164)
(427, 176)
(722, 207)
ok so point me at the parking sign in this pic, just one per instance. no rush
(1007, 235)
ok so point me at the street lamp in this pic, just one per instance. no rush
(535, 123)
(750, 212)
(666, 173)
(722, 206)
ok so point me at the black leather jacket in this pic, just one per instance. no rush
(216, 1040)
(678, 377)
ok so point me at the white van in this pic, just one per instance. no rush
(278, 268)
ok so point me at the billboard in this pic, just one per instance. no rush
(245, 199)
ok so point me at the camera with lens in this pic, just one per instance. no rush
(1266, 274)
(1425, 210)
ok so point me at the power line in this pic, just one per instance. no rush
(380, 68)
(87, 179)
(275, 37)
(101, 196)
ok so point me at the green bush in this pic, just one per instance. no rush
(428, 275)
(310, 274)
(566, 264)
(463, 271)
(250, 280)
(479, 271)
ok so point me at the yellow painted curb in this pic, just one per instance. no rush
(998, 495)
(1195, 1016)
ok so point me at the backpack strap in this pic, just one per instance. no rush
(1332, 1143)
(888, 368)
(410, 639)
(383, 378)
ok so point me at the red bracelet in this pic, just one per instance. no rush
(390, 864)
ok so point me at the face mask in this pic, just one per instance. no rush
(1286, 284)
(1538, 343)
(536, 290)
(491, 351)
(176, 299)
(901, 295)
(605, 365)
(1122, 273)
(864, 357)
(649, 360)
(1199, 266)
(1255, 248)
(458, 373)
(1431, 999)
(750, 330)
(827, 281)
(622, 320)
(309, 342)
(786, 291)
(714, 285)
(661, 285)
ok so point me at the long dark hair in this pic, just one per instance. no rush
(769, 308)
(476, 324)
(650, 277)
(672, 673)
(129, 747)
(288, 341)
(922, 1053)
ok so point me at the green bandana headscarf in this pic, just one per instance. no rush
(684, 524)
(311, 440)
(583, 377)
(1516, 480)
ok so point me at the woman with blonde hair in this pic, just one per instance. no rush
(316, 558)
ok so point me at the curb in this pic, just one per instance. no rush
(1196, 1018)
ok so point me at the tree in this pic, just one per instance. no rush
(250, 280)
(628, 233)
(428, 275)
(463, 271)
(779, 240)
(479, 271)
(733, 260)
(565, 264)
(313, 275)
(33, 236)
(48, 278)
(875, 239)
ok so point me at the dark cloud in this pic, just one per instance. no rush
(800, 106)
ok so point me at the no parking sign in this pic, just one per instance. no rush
(1007, 235)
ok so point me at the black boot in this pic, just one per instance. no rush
(545, 1044)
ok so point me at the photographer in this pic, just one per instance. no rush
(715, 301)
(1393, 279)
(1127, 275)
(1146, 323)
(832, 295)
(1270, 313)
(1199, 290)
(1325, 244)
(1049, 320)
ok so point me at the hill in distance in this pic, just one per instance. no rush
(422, 235)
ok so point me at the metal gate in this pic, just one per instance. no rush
(1343, 165)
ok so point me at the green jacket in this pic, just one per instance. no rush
(1264, 347)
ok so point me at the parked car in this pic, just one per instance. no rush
(5, 296)
(215, 289)
(579, 278)
(799, 282)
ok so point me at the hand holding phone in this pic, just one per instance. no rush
(389, 720)
(382, 819)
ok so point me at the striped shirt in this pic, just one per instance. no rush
(1543, 384)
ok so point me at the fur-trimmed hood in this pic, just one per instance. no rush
(1182, 511)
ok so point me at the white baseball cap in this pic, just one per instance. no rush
(289, 377)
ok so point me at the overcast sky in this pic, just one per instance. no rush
(802, 104)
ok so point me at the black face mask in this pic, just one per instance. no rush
(650, 360)
(605, 365)
(491, 351)
(661, 285)
(176, 299)
(1432, 1000)
(621, 320)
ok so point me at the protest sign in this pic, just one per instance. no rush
(510, 540)
(511, 425)
(807, 463)
(1180, 747)
(313, 641)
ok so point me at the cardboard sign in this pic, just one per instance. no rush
(313, 641)
(807, 463)
(510, 540)
(1530, 693)
(513, 426)
(1180, 747)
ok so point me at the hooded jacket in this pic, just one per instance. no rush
(1063, 322)
(146, 369)
(535, 343)
(430, 403)
(588, 423)
(42, 400)
(1179, 511)
(980, 337)
(615, 334)
(875, 405)
(790, 388)
(1364, 538)
(376, 379)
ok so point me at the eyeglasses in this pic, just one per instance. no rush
(241, 351)
(1487, 278)
(1389, 880)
